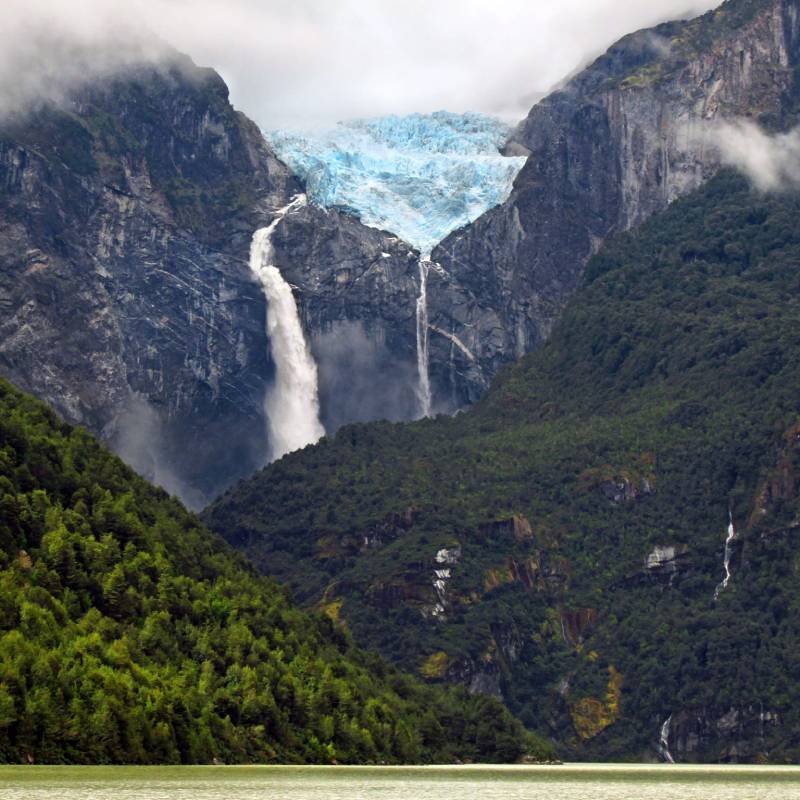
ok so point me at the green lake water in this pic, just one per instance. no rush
(569, 782)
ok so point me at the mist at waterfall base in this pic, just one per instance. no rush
(140, 440)
(359, 378)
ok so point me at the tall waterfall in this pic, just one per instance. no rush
(292, 403)
(726, 561)
(663, 741)
(424, 385)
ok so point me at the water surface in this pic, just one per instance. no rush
(569, 782)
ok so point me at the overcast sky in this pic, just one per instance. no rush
(303, 62)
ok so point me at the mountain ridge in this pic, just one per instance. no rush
(127, 300)
(605, 152)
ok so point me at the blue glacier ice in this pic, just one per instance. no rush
(418, 176)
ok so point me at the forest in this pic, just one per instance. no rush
(131, 634)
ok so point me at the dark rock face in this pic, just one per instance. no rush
(615, 145)
(357, 289)
(125, 224)
(127, 301)
(736, 734)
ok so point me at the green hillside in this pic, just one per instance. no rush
(668, 395)
(129, 633)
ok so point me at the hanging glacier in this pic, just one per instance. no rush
(419, 176)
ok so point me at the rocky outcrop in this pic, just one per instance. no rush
(390, 528)
(665, 561)
(737, 734)
(517, 527)
(782, 482)
(576, 624)
(540, 571)
(126, 301)
(623, 490)
(481, 677)
(616, 144)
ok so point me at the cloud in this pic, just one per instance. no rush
(772, 162)
(48, 47)
(298, 62)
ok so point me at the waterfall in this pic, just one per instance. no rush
(424, 386)
(292, 403)
(726, 561)
(663, 740)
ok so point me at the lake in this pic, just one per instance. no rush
(568, 782)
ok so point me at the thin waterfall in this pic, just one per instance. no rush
(292, 403)
(423, 368)
(726, 561)
(663, 740)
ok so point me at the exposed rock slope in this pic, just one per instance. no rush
(125, 221)
(617, 143)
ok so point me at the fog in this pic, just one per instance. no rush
(303, 62)
(772, 162)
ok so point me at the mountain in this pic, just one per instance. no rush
(130, 634)
(617, 143)
(128, 211)
(126, 219)
(608, 540)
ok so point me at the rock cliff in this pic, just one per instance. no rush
(126, 216)
(614, 145)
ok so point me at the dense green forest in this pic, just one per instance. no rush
(562, 541)
(131, 634)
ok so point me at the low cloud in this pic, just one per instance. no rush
(48, 48)
(299, 62)
(772, 162)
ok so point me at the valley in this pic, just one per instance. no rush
(412, 438)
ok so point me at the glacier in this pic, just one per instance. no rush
(418, 176)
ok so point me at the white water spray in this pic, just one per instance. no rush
(424, 386)
(292, 404)
(727, 557)
(664, 740)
